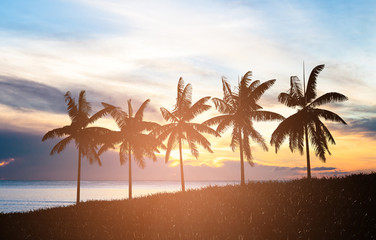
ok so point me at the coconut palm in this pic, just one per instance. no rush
(181, 129)
(306, 123)
(131, 137)
(239, 109)
(86, 138)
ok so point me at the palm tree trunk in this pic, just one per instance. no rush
(130, 171)
(242, 178)
(307, 153)
(78, 176)
(181, 167)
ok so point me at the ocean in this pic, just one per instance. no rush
(23, 196)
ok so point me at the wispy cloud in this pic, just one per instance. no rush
(303, 168)
(4, 162)
(25, 94)
(366, 126)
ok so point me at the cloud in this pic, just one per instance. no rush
(365, 126)
(4, 162)
(26, 94)
(368, 125)
(318, 169)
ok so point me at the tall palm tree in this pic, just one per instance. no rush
(131, 137)
(86, 138)
(181, 129)
(306, 123)
(239, 108)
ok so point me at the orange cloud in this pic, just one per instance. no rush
(5, 162)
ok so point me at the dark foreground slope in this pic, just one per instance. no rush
(337, 208)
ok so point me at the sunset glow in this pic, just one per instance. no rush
(117, 50)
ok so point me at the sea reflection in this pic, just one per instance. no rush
(21, 196)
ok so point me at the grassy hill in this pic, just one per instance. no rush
(334, 208)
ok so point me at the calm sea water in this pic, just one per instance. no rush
(22, 196)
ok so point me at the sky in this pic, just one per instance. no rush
(119, 50)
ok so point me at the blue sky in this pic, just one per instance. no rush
(117, 50)
(53, 19)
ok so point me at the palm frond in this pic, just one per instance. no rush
(72, 106)
(105, 148)
(247, 150)
(162, 132)
(98, 115)
(58, 132)
(283, 130)
(226, 88)
(330, 97)
(92, 155)
(245, 81)
(84, 107)
(180, 89)
(254, 85)
(318, 142)
(146, 126)
(327, 115)
(296, 137)
(170, 144)
(197, 108)
(117, 114)
(204, 129)
(186, 99)
(168, 116)
(193, 147)
(235, 138)
(196, 137)
(288, 100)
(312, 82)
(60, 146)
(140, 112)
(226, 122)
(250, 131)
(222, 106)
(138, 155)
(327, 134)
(216, 120)
(296, 91)
(123, 153)
(141, 162)
(256, 94)
(148, 144)
(265, 116)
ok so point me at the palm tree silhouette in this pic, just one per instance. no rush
(306, 123)
(131, 137)
(239, 109)
(181, 129)
(86, 138)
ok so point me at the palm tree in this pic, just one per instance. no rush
(86, 138)
(306, 123)
(239, 108)
(181, 128)
(131, 137)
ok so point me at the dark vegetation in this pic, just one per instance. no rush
(334, 208)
